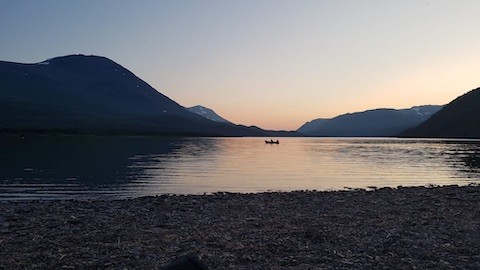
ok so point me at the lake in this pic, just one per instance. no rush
(89, 167)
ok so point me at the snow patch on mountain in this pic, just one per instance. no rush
(377, 122)
(208, 113)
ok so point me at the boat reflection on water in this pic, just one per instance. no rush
(89, 167)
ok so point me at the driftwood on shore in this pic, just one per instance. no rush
(405, 228)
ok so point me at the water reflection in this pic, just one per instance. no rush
(393, 162)
(247, 165)
(117, 167)
(467, 155)
(47, 167)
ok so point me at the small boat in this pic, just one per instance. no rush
(272, 142)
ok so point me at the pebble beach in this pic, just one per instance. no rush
(400, 228)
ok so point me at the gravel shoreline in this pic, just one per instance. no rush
(404, 228)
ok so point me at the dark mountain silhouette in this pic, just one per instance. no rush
(312, 127)
(92, 94)
(208, 113)
(458, 119)
(371, 123)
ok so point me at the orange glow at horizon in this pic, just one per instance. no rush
(272, 64)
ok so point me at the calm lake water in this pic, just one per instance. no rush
(118, 167)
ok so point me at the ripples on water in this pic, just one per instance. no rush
(116, 167)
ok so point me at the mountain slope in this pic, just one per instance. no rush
(92, 94)
(208, 113)
(378, 122)
(458, 119)
(311, 127)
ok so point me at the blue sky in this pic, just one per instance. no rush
(275, 64)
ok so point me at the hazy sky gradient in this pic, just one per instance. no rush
(275, 64)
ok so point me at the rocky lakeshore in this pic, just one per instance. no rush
(403, 228)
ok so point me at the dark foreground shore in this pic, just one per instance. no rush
(406, 228)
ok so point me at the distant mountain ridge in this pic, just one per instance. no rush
(370, 123)
(93, 94)
(208, 113)
(458, 119)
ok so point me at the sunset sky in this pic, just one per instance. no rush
(275, 64)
